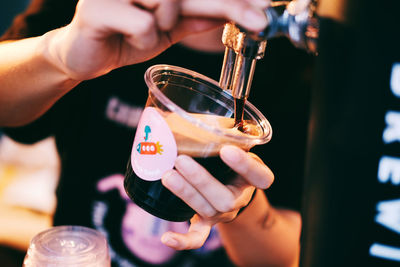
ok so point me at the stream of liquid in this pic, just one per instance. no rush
(239, 111)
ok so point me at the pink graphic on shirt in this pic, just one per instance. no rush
(141, 231)
(115, 181)
(154, 149)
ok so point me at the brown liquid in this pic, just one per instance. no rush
(198, 142)
(239, 111)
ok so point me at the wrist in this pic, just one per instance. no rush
(254, 209)
(50, 48)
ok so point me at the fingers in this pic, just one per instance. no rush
(192, 25)
(166, 11)
(217, 194)
(213, 201)
(242, 12)
(185, 191)
(249, 166)
(247, 13)
(205, 194)
(208, 196)
(167, 14)
(98, 20)
(193, 239)
(141, 21)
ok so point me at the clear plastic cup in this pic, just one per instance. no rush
(61, 246)
(186, 113)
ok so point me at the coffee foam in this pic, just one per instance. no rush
(195, 141)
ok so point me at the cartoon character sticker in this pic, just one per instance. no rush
(149, 148)
(154, 149)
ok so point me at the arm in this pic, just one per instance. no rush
(261, 236)
(103, 35)
(30, 83)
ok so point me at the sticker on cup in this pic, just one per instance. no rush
(154, 150)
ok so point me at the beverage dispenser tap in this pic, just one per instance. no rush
(296, 20)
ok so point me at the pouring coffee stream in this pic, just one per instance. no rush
(297, 20)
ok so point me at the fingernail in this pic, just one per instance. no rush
(231, 154)
(185, 165)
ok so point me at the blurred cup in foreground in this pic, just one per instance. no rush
(61, 246)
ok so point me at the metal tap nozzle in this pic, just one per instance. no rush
(294, 19)
(242, 50)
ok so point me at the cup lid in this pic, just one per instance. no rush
(68, 246)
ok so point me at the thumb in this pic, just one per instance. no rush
(197, 234)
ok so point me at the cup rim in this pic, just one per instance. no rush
(263, 122)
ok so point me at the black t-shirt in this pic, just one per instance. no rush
(95, 123)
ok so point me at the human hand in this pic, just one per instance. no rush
(213, 201)
(107, 34)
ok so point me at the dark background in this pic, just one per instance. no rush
(8, 9)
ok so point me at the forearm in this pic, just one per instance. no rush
(263, 236)
(29, 82)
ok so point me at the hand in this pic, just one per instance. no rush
(107, 34)
(213, 201)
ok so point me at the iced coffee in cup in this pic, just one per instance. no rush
(66, 246)
(186, 113)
